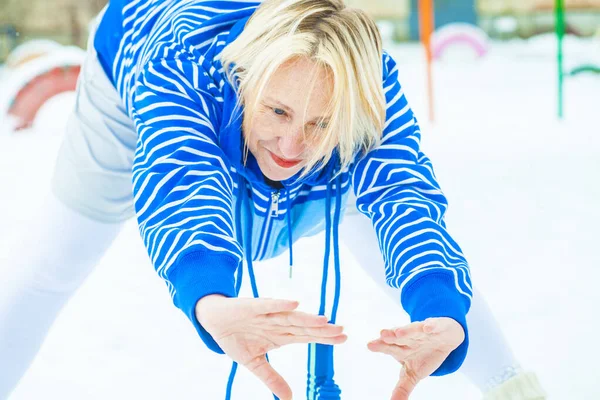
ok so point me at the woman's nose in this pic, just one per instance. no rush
(291, 143)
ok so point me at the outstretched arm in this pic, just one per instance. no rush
(396, 188)
(183, 191)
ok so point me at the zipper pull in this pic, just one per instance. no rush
(275, 204)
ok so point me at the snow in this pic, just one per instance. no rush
(524, 193)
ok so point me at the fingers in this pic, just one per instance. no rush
(429, 326)
(408, 380)
(406, 336)
(442, 325)
(399, 352)
(296, 318)
(389, 336)
(289, 339)
(299, 327)
(412, 330)
(433, 326)
(269, 306)
(406, 384)
(271, 378)
(328, 330)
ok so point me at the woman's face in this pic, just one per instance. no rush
(279, 136)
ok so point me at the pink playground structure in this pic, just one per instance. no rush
(459, 33)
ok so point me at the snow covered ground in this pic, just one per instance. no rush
(524, 191)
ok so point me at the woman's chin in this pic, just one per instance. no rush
(276, 173)
(278, 176)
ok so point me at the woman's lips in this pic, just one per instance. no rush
(282, 162)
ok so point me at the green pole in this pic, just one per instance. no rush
(560, 33)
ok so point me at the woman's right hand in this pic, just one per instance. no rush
(246, 329)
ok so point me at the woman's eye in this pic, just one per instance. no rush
(320, 125)
(278, 111)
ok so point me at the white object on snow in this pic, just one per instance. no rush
(30, 49)
(506, 24)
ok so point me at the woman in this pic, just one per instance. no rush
(230, 130)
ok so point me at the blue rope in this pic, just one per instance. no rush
(314, 382)
(321, 385)
(247, 244)
(327, 251)
(336, 248)
(248, 248)
(311, 390)
(232, 373)
(238, 227)
(327, 389)
(240, 272)
(289, 226)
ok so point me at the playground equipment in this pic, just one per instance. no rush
(585, 68)
(559, 8)
(35, 72)
(437, 43)
(426, 26)
(459, 33)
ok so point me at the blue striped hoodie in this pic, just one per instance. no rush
(202, 211)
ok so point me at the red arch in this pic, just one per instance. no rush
(36, 92)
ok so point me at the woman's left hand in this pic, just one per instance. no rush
(420, 347)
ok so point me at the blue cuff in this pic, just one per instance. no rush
(435, 295)
(199, 274)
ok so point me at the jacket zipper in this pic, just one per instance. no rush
(273, 212)
(274, 204)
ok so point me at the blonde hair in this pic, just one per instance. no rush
(345, 41)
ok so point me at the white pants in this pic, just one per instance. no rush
(37, 281)
(90, 201)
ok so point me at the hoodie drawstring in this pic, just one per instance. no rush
(238, 279)
(321, 385)
(289, 227)
(238, 228)
(244, 201)
(336, 249)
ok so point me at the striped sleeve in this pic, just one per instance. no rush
(183, 192)
(396, 187)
